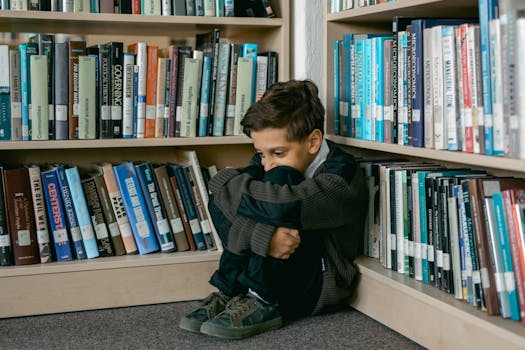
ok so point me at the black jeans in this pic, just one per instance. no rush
(294, 283)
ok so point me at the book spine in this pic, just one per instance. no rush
(209, 8)
(423, 227)
(6, 252)
(513, 201)
(221, 89)
(135, 99)
(173, 54)
(151, 91)
(5, 91)
(180, 205)
(244, 91)
(105, 91)
(39, 100)
(190, 92)
(56, 215)
(151, 7)
(87, 98)
(219, 8)
(261, 77)
(163, 64)
(82, 212)
(380, 93)
(486, 13)
(76, 49)
(449, 89)
(166, 7)
(42, 233)
(155, 208)
(402, 73)
(117, 205)
(440, 141)
(61, 78)
(15, 95)
(117, 62)
(97, 218)
(478, 121)
(229, 10)
(204, 111)
(46, 47)
(199, 205)
(179, 7)
(127, 104)
(140, 50)
(428, 115)
(69, 213)
(498, 142)
(232, 91)
(135, 206)
(418, 112)
(464, 87)
(184, 52)
(344, 86)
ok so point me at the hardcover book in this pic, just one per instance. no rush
(76, 49)
(6, 253)
(61, 91)
(42, 233)
(5, 91)
(15, 95)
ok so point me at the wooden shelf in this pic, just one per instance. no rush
(429, 316)
(459, 158)
(127, 143)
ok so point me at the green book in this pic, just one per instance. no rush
(244, 90)
(190, 94)
(87, 101)
(39, 99)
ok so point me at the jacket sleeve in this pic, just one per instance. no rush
(246, 234)
(313, 204)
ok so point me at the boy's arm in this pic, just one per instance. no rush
(313, 204)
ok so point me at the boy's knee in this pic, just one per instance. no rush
(284, 175)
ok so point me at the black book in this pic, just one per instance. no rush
(105, 91)
(446, 186)
(6, 254)
(46, 47)
(253, 8)
(430, 231)
(117, 85)
(184, 52)
(44, 5)
(125, 6)
(393, 220)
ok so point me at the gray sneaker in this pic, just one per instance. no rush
(244, 316)
(211, 306)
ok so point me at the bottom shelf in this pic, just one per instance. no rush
(429, 316)
(105, 283)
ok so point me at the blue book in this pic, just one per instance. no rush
(156, 210)
(508, 268)
(71, 217)
(359, 93)
(81, 210)
(219, 8)
(345, 124)
(189, 205)
(24, 85)
(135, 206)
(337, 93)
(487, 11)
(403, 103)
(57, 218)
(204, 110)
(379, 43)
(221, 90)
(250, 50)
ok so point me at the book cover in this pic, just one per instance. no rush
(155, 207)
(204, 106)
(135, 206)
(141, 58)
(221, 89)
(162, 84)
(61, 91)
(42, 233)
(244, 91)
(190, 93)
(57, 219)
(5, 91)
(151, 90)
(39, 100)
(19, 208)
(127, 103)
(87, 99)
(6, 253)
(15, 91)
(76, 49)
(81, 210)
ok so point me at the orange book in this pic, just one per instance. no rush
(151, 90)
(118, 208)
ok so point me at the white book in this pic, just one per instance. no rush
(20, 5)
(244, 91)
(474, 58)
(454, 246)
(151, 7)
(465, 113)
(82, 6)
(142, 63)
(373, 90)
(87, 97)
(161, 96)
(39, 98)
(190, 93)
(520, 84)
(15, 95)
(440, 131)
(209, 8)
(127, 102)
(400, 227)
(261, 77)
(450, 89)
(5, 92)
(496, 85)
(416, 229)
(166, 8)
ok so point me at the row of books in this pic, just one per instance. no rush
(438, 83)
(458, 229)
(59, 91)
(212, 8)
(51, 213)
(342, 5)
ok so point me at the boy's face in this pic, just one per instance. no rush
(275, 149)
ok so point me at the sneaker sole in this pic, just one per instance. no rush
(190, 325)
(210, 328)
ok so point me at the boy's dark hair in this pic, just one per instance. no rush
(293, 104)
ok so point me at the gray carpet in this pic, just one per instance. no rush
(156, 327)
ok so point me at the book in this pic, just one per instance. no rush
(26, 51)
(199, 205)
(135, 206)
(39, 100)
(76, 49)
(141, 58)
(46, 47)
(57, 219)
(173, 55)
(184, 217)
(6, 253)
(61, 91)
(221, 89)
(15, 95)
(42, 233)
(127, 103)
(151, 90)
(87, 97)
(232, 91)
(155, 207)
(204, 106)
(19, 208)
(190, 93)
(244, 91)
(5, 92)
(105, 91)
(160, 116)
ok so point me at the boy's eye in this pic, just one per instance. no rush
(260, 154)
(279, 154)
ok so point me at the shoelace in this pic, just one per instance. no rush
(239, 305)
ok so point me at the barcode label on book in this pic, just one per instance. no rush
(389, 111)
(417, 250)
(424, 251)
(143, 229)
(500, 282)
(113, 229)
(75, 234)
(430, 251)
(87, 232)
(446, 262)
(476, 278)
(61, 113)
(194, 224)
(510, 284)
(125, 229)
(163, 226)
(150, 112)
(16, 110)
(439, 258)
(176, 225)
(393, 241)
(410, 247)
(485, 280)
(4, 241)
(60, 235)
(42, 236)
(24, 238)
(206, 228)
(101, 231)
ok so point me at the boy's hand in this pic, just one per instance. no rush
(283, 243)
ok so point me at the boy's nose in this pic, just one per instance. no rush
(268, 166)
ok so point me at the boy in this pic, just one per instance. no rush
(291, 222)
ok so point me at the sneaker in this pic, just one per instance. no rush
(244, 317)
(211, 306)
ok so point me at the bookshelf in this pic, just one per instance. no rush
(429, 316)
(134, 279)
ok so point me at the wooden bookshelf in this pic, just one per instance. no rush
(135, 279)
(421, 312)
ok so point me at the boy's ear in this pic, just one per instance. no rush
(314, 141)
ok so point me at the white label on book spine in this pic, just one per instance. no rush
(4, 241)
(430, 251)
(125, 229)
(510, 284)
(424, 252)
(61, 113)
(16, 110)
(485, 280)
(409, 247)
(194, 224)
(163, 226)
(51, 112)
(439, 258)
(113, 229)
(150, 111)
(42, 236)
(416, 115)
(143, 229)
(178, 114)
(446, 262)
(60, 235)
(116, 112)
(205, 224)
(500, 282)
(24, 238)
(176, 225)
(417, 250)
(514, 124)
(393, 241)
(101, 231)
(75, 234)
(389, 111)
(87, 232)
(468, 116)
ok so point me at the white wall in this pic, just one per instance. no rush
(307, 39)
